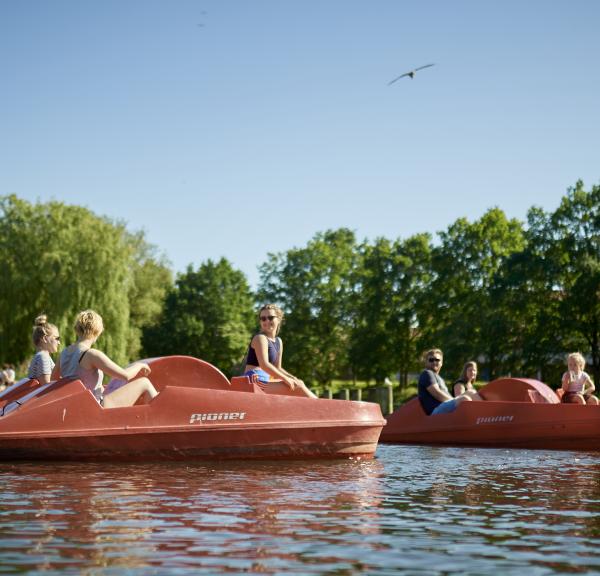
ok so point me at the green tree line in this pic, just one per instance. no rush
(515, 296)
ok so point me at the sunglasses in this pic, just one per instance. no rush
(269, 318)
(431, 360)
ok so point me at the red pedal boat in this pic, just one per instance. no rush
(198, 414)
(515, 413)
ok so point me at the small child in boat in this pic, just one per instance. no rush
(577, 386)
(46, 340)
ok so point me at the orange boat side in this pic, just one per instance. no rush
(517, 412)
(198, 414)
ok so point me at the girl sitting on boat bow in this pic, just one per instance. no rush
(266, 351)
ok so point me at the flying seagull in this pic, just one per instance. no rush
(410, 74)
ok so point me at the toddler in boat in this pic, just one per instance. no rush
(577, 386)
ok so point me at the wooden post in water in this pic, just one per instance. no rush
(390, 398)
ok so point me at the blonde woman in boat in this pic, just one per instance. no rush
(577, 385)
(465, 382)
(265, 354)
(82, 361)
(46, 341)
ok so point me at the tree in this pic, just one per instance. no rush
(389, 277)
(208, 314)
(62, 259)
(576, 253)
(456, 311)
(549, 293)
(151, 278)
(526, 303)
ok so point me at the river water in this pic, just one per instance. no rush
(411, 510)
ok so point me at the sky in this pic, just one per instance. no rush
(239, 128)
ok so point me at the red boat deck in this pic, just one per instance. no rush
(198, 414)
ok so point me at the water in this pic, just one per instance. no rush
(412, 510)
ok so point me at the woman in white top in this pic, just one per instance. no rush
(82, 361)
(577, 386)
(45, 339)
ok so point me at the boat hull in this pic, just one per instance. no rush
(533, 417)
(187, 422)
(268, 443)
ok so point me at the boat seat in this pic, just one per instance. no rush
(275, 387)
(17, 390)
(36, 392)
(245, 384)
(180, 371)
(519, 390)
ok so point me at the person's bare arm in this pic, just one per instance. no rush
(260, 344)
(459, 389)
(100, 361)
(438, 393)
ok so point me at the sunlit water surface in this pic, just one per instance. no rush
(412, 510)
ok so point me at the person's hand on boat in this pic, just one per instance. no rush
(143, 369)
(296, 382)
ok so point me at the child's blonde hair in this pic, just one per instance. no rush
(578, 357)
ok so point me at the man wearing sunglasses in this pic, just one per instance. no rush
(433, 392)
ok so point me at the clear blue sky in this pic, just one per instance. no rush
(238, 128)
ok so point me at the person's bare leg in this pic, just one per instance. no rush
(127, 395)
(281, 388)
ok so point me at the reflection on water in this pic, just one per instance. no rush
(419, 509)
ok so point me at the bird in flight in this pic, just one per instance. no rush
(410, 74)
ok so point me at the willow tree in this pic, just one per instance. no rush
(150, 281)
(60, 259)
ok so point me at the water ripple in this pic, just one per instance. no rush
(413, 509)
